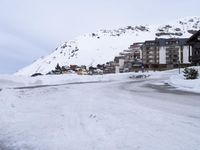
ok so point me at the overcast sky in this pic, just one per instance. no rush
(33, 28)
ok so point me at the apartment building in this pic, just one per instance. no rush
(150, 53)
(194, 42)
(166, 53)
(129, 59)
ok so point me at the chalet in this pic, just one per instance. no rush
(165, 53)
(194, 48)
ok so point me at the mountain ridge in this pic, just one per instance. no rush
(102, 46)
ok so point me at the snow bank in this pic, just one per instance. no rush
(10, 81)
(172, 77)
(181, 83)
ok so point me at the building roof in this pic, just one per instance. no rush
(172, 41)
(194, 37)
(167, 42)
(150, 43)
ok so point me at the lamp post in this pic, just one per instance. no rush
(179, 69)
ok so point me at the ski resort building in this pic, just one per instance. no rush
(135, 50)
(165, 53)
(194, 48)
(130, 59)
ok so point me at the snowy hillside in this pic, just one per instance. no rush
(101, 46)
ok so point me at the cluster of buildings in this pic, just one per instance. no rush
(160, 54)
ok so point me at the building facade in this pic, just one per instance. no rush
(165, 53)
(129, 60)
(150, 53)
(194, 48)
(135, 50)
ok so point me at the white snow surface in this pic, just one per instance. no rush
(102, 46)
(107, 112)
(181, 83)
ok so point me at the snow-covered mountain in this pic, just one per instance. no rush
(102, 46)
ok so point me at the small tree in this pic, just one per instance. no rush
(190, 73)
(58, 68)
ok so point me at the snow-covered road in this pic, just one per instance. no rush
(125, 114)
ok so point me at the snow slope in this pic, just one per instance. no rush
(102, 46)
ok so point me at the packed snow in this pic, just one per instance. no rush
(105, 112)
(181, 83)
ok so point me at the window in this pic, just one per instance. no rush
(175, 55)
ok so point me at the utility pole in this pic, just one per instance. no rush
(179, 69)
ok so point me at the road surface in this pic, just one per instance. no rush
(131, 114)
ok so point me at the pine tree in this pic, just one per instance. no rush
(58, 68)
(190, 73)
